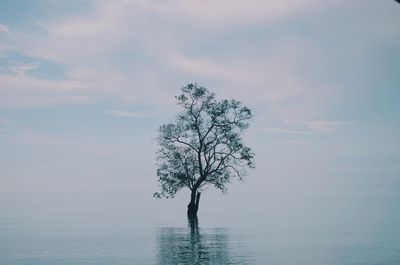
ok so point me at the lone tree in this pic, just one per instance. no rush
(203, 146)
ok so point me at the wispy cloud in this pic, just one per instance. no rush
(4, 28)
(322, 126)
(91, 146)
(287, 131)
(22, 69)
(239, 73)
(306, 127)
(327, 126)
(25, 91)
(217, 14)
(136, 114)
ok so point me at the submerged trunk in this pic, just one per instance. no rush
(193, 205)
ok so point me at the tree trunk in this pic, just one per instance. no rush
(193, 205)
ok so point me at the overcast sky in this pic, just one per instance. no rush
(84, 86)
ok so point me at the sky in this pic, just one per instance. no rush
(85, 84)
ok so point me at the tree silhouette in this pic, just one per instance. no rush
(203, 146)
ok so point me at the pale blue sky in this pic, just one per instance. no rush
(85, 84)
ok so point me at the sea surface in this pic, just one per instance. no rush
(133, 228)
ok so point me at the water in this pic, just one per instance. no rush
(194, 245)
(132, 228)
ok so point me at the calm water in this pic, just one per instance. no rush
(125, 228)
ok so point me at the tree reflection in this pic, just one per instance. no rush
(192, 245)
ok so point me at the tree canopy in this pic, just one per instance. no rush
(203, 145)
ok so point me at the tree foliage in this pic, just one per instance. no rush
(204, 145)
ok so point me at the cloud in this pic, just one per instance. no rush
(327, 126)
(25, 91)
(4, 28)
(287, 131)
(141, 52)
(322, 126)
(153, 31)
(252, 80)
(230, 13)
(35, 138)
(22, 69)
(307, 128)
(136, 114)
(92, 146)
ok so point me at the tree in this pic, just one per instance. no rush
(203, 146)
